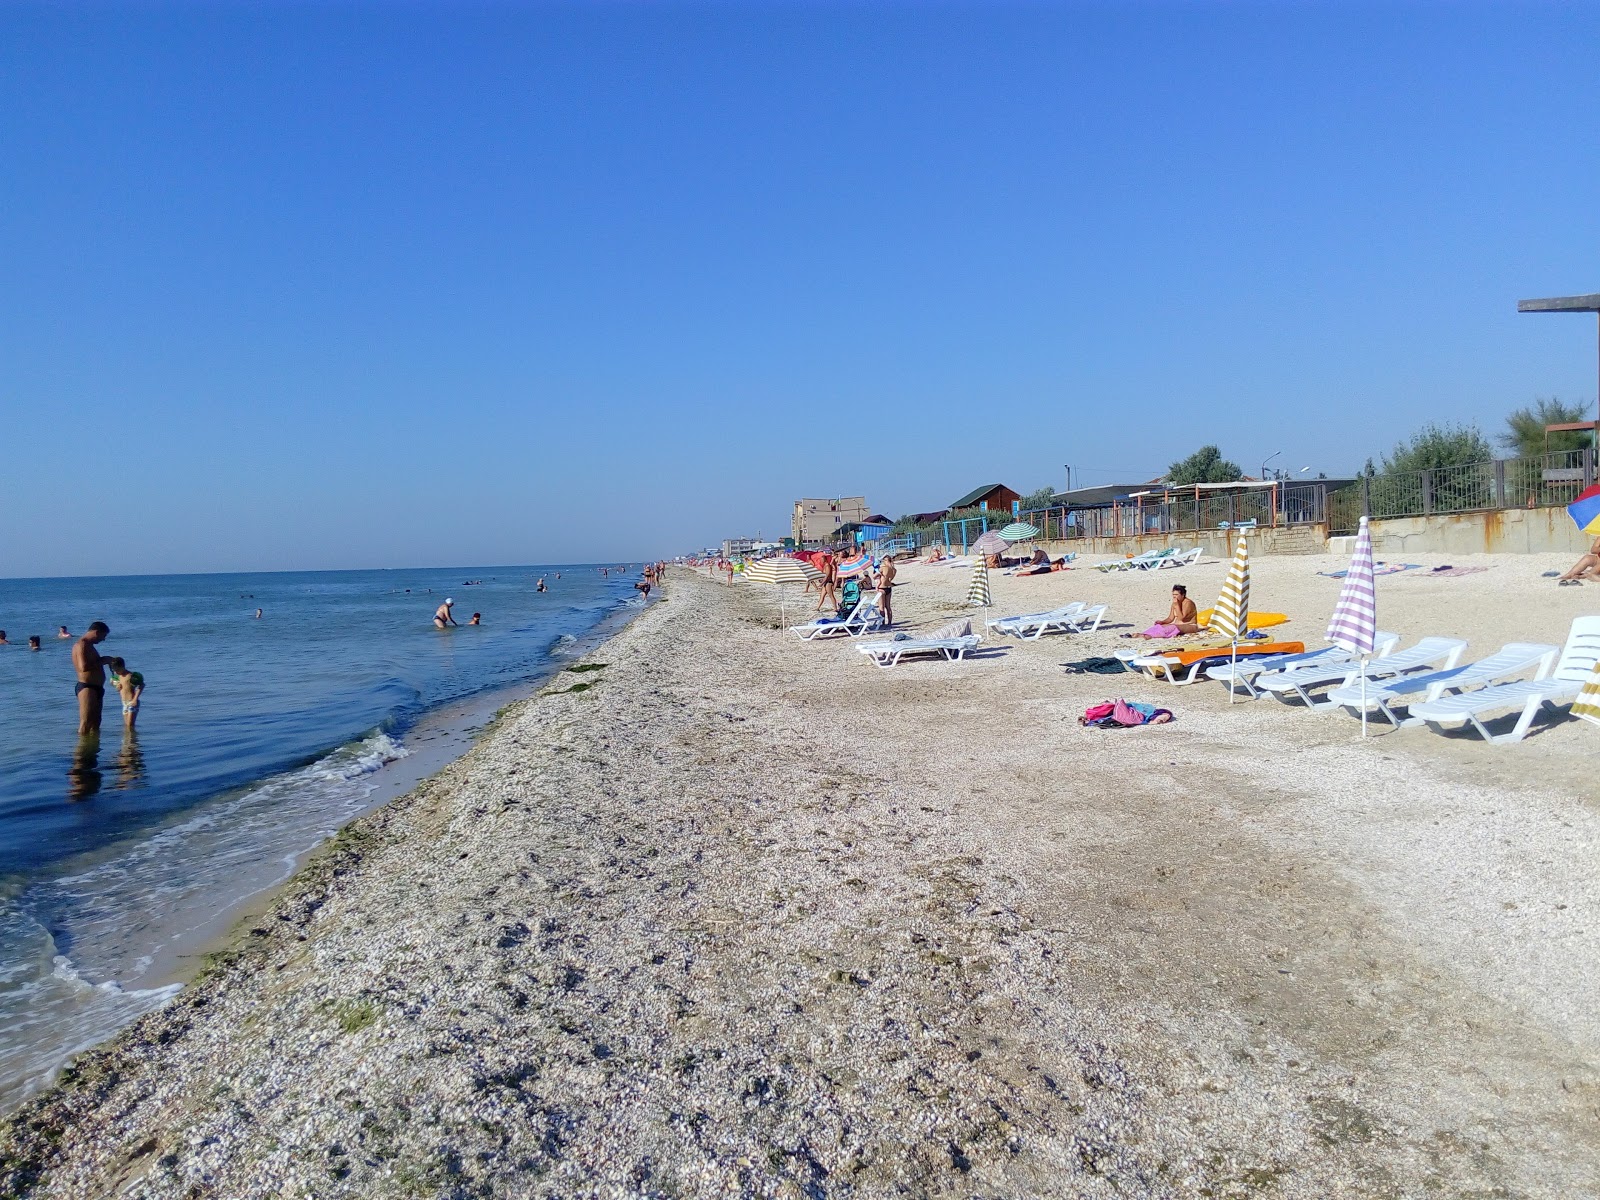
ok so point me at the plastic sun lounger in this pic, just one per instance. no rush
(1561, 686)
(863, 618)
(1031, 625)
(1138, 562)
(888, 654)
(1511, 659)
(1155, 561)
(1248, 671)
(1186, 559)
(1298, 681)
(1171, 665)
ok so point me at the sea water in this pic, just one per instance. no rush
(256, 740)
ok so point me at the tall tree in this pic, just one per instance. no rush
(1435, 446)
(1525, 435)
(1038, 498)
(1205, 465)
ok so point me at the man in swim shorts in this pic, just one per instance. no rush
(441, 615)
(91, 688)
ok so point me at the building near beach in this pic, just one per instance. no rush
(996, 497)
(818, 522)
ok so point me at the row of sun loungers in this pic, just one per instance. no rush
(1422, 684)
(1427, 681)
(1153, 560)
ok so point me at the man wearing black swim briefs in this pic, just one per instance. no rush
(91, 669)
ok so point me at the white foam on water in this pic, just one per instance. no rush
(75, 949)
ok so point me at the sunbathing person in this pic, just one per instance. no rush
(1587, 567)
(1182, 617)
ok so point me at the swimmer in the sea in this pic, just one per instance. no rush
(441, 615)
(64, 635)
(477, 619)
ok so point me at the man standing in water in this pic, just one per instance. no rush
(91, 689)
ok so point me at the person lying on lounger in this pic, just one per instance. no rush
(1587, 567)
(1182, 616)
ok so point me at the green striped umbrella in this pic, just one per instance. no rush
(978, 589)
(1231, 616)
(1019, 532)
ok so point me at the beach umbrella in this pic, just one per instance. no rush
(978, 589)
(1587, 705)
(990, 543)
(780, 573)
(1585, 510)
(854, 566)
(1021, 531)
(1355, 617)
(1230, 617)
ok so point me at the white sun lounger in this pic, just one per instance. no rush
(1247, 671)
(1513, 658)
(863, 618)
(1561, 686)
(1138, 562)
(1187, 559)
(888, 654)
(1076, 617)
(1298, 681)
(1031, 625)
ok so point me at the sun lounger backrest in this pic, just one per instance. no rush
(1578, 656)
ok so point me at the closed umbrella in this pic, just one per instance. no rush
(1355, 617)
(978, 589)
(1021, 531)
(1231, 616)
(990, 543)
(781, 572)
(1587, 705)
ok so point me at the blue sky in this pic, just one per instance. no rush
(318, 286)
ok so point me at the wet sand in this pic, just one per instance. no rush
(747, 916)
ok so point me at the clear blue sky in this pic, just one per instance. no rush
(346, 286)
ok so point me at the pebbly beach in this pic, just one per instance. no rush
(722, 912)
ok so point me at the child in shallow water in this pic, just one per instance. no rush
(130, 686)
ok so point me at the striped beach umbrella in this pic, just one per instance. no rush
(990, 543)
(1021, 531)
(781, 572)
(854, 566)
(1587, 705)
(1355, 616)
(978, 589)
(1230, 617)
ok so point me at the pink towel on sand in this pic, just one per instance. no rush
(1161, 631)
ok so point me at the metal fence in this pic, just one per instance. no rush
(1539, 481)
(1177, 511)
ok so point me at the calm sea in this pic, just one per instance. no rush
(256, 740)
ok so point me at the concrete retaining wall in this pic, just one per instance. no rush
(1213, 543)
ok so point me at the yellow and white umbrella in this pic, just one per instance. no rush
(1230, 618)
(1587, 705)
(978, 590)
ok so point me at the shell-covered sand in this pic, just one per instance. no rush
(748, 916)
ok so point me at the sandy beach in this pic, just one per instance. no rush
(734, 914)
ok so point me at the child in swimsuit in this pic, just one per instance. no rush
(130, 686)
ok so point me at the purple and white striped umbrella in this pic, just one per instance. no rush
(1355, 617)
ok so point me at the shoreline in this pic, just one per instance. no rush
(747, 916)
(432, 741)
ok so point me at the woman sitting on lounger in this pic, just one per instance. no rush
(1182, 616)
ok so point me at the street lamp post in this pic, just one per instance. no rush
(1588, 304)
(1266, 460)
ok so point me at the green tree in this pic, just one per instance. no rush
(1038, 498)
(1525, 435)
(1205, 465)
(1435, 446)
